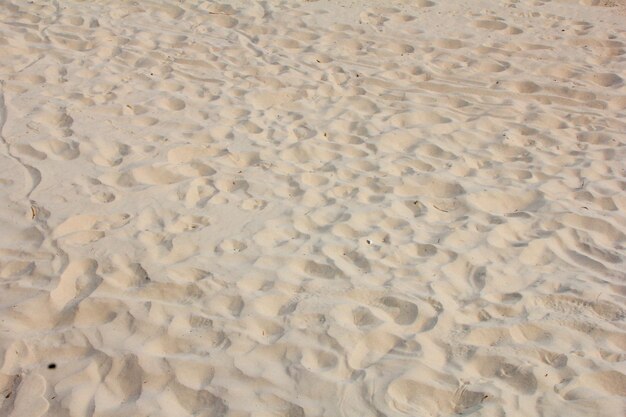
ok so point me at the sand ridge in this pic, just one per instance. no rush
(377, 208)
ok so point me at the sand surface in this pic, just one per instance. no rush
(328, 208)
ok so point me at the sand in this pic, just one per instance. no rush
(327, 208)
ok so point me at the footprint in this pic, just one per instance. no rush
(430, 187)
(315, 269)
(28, 151)
(79, 228)
(222, 20)
(403, 140)
(363, 318)
(123, 383)
(102, 197)
(109, 153)
(198, 192)
(71, 41)
(275, 236)
(420, 250)
(517, 376)
(605, 79)
(53, 117)
(371, 348)
(403, 312)
(412, 397)
(77, 281)
(58, 149)
(167, 250)
(350, 261)
(185, 154)
(172, 103)
(318, 360)
(490, 24)
(263, 330)
(29, 398)
(155, 175)
(230, 246)
(417, 118)
(448, 43)
(121, 272)
(503, 201)
(193, 373)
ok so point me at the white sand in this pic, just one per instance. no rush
(331, 208)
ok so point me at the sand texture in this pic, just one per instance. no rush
(312, 208)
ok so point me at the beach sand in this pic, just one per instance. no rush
(325, 208)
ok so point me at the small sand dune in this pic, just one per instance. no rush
(313, 208)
